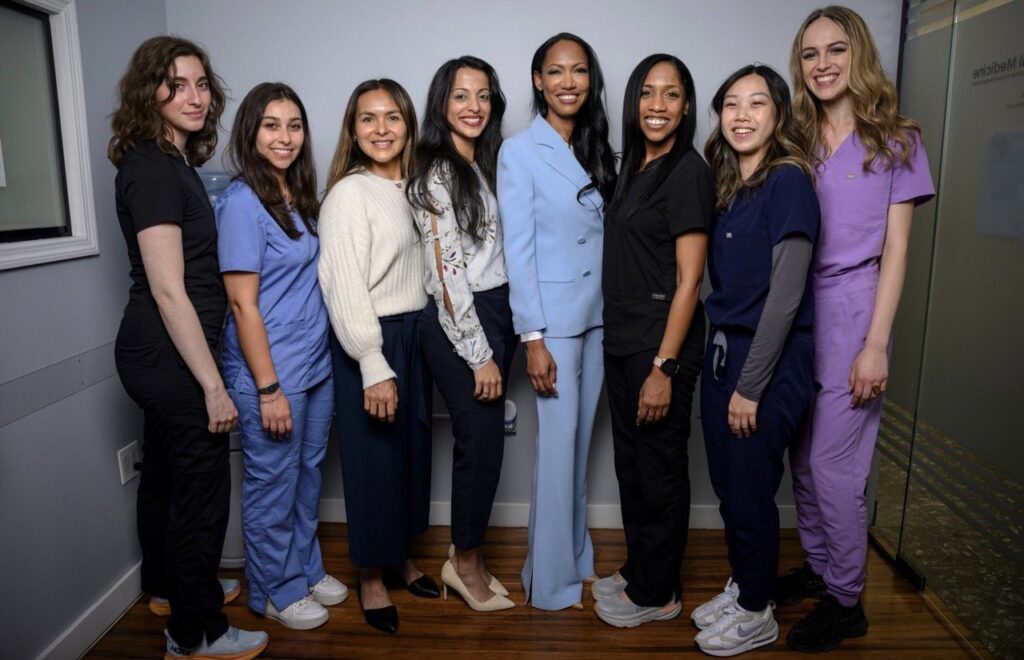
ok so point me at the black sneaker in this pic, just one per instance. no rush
(828, 624)
(799, 584)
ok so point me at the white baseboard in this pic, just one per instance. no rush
(95, 621)
(599, 516)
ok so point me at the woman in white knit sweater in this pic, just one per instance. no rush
(371, 273)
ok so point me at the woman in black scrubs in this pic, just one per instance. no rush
(654, 250)
(758, 379)
(166, 123)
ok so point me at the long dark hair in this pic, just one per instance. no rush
(634, 146)
(436, 155)
(787, 146)
(348, 157)
(137, 118)
(589, 140)
(247, 164)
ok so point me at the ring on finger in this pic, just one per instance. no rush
(876, 390)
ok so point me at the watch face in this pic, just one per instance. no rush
(670, 366)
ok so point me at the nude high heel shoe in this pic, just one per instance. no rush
(450, 578)
(495, 586)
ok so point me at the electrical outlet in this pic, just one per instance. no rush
(127, 457)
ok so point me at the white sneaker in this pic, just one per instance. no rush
(329, 591)
(738, 631)
(303, 614)
(234, 644)
(608, 587)
(707, 613)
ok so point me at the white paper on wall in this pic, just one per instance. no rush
(3, 175)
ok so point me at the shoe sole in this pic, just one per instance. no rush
(634, 621)
(164, 609)
(244, 655)
(298, 625)
(859, 631)
(327, 602)
(749, 645)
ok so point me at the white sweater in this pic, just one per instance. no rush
(371, 265)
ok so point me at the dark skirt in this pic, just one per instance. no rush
(385, 468)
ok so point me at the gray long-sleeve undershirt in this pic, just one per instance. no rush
(791, 258)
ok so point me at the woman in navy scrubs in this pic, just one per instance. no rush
(655, 244)
(757, 379)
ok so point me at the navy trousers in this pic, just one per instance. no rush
(478, 427)
(385, 468)
(746, 472)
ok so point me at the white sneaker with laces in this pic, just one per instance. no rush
(303, 614)
(608, 587)
(329, 591)
(738, 631)
(707, 613)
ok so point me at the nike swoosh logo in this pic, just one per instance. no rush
(744, 633)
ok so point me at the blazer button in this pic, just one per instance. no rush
(586, 273)
(581, 240)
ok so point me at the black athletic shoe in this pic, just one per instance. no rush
(828, 624)
(799, 584)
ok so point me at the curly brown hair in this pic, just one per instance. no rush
(137, 118)
(887, 136)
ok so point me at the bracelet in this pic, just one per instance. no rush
(276, 397)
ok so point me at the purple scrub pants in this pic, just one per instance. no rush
(831, 460)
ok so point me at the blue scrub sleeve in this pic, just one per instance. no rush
(241, 236)
(793, 208)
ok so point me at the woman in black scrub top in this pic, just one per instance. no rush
(654, 250)
(166, 123)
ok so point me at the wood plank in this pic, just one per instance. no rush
(902, 623)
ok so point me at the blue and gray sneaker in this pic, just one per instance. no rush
(234, 644)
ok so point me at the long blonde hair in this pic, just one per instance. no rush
(348, 157)
(887, 135)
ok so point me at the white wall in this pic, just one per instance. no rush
(323, 48)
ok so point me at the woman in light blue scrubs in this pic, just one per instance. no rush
(276, 361)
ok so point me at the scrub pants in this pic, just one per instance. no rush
(478, 427)
(832, 459)
(281, 496)
(652, 467)
(560, 551)
(746, 472)
(385, 468)
(184, 492)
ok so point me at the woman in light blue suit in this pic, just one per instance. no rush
(553, 180)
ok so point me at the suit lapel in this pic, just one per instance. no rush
(559, 157)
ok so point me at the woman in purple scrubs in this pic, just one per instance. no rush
(871, 170)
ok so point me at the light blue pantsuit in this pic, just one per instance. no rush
(553, 247)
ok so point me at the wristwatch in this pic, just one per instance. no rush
(668, 366)
(269, 389)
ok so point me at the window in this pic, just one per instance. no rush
(46, 205)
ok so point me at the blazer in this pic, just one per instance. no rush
(553, 241)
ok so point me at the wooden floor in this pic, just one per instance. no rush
(902, 625)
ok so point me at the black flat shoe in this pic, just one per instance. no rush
(384, 619)
(422, 587)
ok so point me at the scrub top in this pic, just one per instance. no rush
(639, 269)
(290, 302)
(742, 238)
(855, 204)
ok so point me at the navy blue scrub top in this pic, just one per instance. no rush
(742, 238)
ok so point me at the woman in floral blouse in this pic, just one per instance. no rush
(467, 334)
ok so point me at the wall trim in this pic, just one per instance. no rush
(599, 516)
(87, 629)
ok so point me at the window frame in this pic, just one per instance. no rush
(67, 64)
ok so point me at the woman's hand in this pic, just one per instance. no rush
(276, 414)
(487, 382)
(655, 396)
(380, 400)
(221, 411)
(541, 368)
(869, 375)
(742, 415)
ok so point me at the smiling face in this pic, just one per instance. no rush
(564, 80)
(185, 112)
(748, 120)
(469, 109)
(381, 133)
(663, 106)
(825, 60)
(281, 135)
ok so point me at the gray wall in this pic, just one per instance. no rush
(67, 524)
(324, 48)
